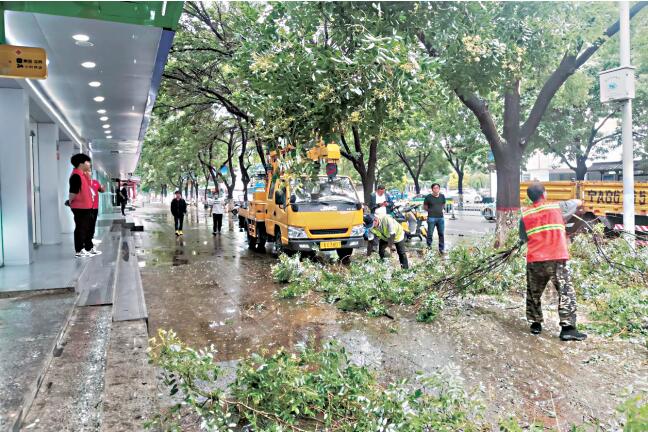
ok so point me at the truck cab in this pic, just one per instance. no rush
(306, 213)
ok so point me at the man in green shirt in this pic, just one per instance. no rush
(389, 234)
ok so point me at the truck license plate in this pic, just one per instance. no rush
(331, 245)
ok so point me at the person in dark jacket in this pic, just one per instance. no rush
(123, 199)
(178, 210)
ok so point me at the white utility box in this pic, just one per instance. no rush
(617, 84)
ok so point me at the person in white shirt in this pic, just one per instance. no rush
(218, 208)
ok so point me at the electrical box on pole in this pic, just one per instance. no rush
(617, 84)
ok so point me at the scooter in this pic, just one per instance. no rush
(411, 219)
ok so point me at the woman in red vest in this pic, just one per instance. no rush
(542, 227)
(81, 205)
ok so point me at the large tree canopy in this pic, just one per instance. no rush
(360, 73)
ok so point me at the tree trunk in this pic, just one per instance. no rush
(245, 176)
(508, 165)
(460, 179)
(417, 186)
(581, 168)
(370, 177)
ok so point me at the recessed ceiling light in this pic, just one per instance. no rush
(99, 98)
(81, 38)
(94, 83)
(104, 118)
(108, 136)
(101, 111)
(88, 64)
(107, 132)
(106, 126)
(84, 44)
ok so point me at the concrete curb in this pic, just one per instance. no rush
(55, 351)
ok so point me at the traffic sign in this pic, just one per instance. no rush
(23, 62)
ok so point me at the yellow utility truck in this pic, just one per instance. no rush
(306, 213)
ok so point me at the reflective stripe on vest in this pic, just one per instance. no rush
(547, 227)
(532, 210)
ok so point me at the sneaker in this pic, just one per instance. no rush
(569, 333)
(180, 232)
(93, 252)
(177, 233)
(82, 254)
(213, 232)
(536, 328)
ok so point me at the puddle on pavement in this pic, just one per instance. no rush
(214, 290)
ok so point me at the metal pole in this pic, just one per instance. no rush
(626, 128)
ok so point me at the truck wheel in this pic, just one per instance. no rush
(261, 236)
(277, 247)
(344, 255)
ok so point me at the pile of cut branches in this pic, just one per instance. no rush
(310, 390)
(607, 274)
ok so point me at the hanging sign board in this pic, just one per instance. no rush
(23, 62)
(617, 84)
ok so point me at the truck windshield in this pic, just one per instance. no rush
(322, 189)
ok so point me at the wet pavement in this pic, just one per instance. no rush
(214, 290)
(70, 397)
(29, 326)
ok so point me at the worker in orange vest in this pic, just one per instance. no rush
(542, 227)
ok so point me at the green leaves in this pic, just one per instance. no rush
(311, 389)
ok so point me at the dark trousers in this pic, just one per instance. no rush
(439, 224)
(83, 223)
(382, 246)
(218, 222)
(177, 220)
(538, 276)
(123, 208)
(95, 215)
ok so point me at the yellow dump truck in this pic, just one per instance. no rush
(304, 214)
(601, 199)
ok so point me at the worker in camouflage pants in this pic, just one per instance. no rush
(542, 227)
(538, 275)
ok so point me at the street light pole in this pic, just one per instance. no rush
(626, 126)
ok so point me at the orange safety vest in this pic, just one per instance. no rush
(545, 229)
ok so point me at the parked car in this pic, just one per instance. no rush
(489, 211)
